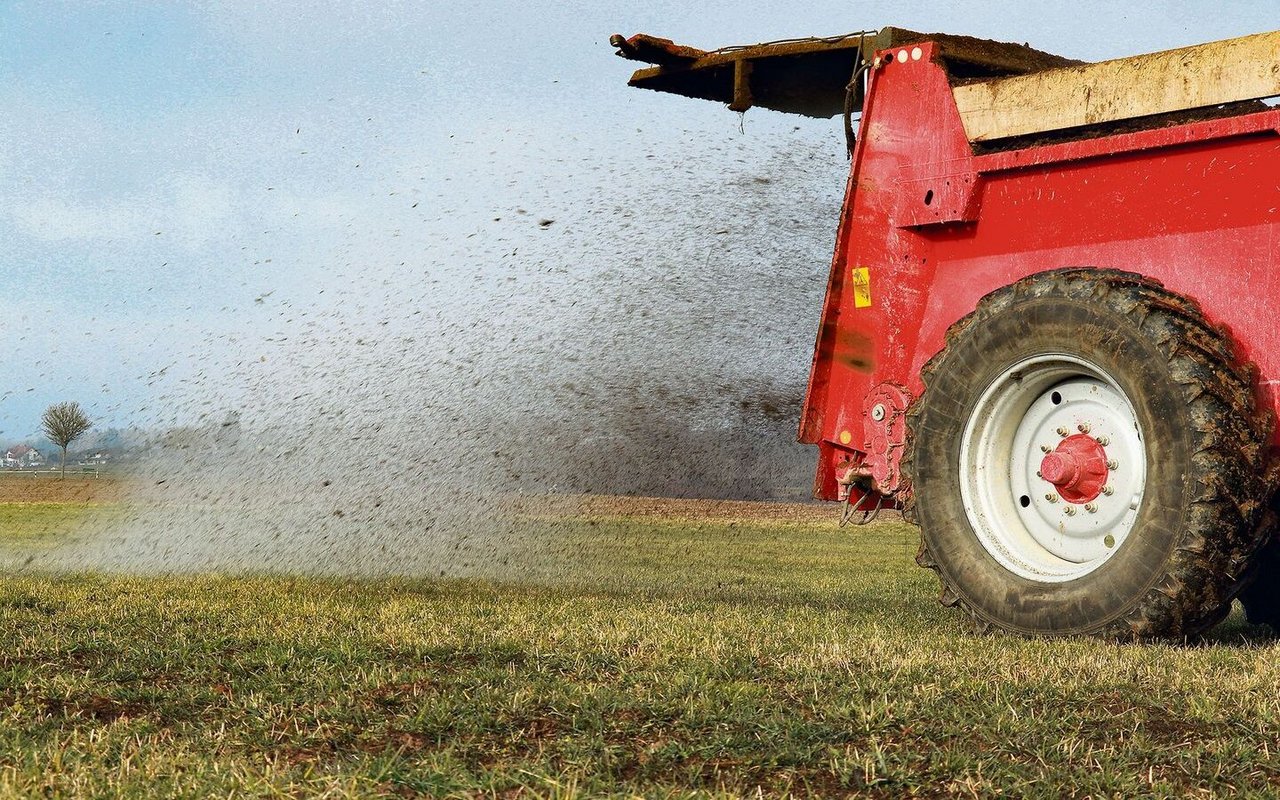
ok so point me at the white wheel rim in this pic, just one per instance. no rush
(1022, 520)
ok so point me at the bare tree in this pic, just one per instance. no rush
(63, 423)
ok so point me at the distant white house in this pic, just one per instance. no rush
(99, 458)
(23, 456)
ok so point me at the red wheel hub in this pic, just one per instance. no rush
(1077, 469)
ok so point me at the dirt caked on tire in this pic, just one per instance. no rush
(1087, 457)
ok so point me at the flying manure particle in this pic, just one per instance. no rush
(423, 404)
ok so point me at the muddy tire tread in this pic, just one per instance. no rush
(1233, 467)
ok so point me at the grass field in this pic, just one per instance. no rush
(697, 650)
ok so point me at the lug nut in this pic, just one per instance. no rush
(1038, 475)
(1113, 464)
(1069, 511)
(1044, 448)
(1052, 498)
(1091, 508)
(1108, 491)
(1104, 441)
(1083, 427)
(1063, 431)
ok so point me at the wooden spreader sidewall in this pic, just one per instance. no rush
(1101, 335)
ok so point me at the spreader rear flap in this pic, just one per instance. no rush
(807, 76)
(803, 76)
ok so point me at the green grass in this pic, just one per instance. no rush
(39, 525)
(656, 659)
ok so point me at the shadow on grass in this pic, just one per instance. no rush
(1236, 631)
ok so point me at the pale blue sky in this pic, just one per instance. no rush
(216, 205)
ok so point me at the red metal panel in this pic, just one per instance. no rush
(935, 228)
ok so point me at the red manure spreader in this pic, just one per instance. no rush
(1049, 335)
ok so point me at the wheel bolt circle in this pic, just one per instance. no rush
(1077, 468)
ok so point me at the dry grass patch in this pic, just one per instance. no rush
(636, 656)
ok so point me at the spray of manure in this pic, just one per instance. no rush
(582, 343)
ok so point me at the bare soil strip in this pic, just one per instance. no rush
(30, 487)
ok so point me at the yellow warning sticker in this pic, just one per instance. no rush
(861, 287)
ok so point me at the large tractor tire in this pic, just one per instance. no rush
(1087, 458)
